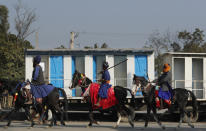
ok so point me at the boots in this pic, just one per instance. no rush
(168, 102)
(157, 102)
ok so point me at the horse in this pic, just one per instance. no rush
(180, 100)
(49, 102)
(120, 94)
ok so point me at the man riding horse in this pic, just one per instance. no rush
(38, 87)
(164, 92)
(104, 83)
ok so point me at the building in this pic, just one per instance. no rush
(188, 71)
(59, 65)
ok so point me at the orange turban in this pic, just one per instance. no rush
(166, 68)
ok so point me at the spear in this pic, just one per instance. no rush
(114, 65)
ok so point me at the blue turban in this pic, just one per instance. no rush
(37, 59)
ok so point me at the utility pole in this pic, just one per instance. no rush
(37, 41)
(71, 40)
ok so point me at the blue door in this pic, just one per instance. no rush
(141, 67)
(94, 69)
(56, 71)
(73, 70)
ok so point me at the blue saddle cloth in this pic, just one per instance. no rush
(166, 95)
(103, 90)
(41, 91)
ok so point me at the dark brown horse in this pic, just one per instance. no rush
(180, 100)
(49, 102)
(120, 94)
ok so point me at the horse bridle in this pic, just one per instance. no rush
(81, 81)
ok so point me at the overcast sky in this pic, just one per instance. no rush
(119, 23)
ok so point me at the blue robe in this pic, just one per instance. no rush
(39, 89)
(105, 85)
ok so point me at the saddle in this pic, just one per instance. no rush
(103, 103)
(161, 103)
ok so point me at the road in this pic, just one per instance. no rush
(82, 125)
(79, 120)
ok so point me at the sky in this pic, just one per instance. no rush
(119, 23)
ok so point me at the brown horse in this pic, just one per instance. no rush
(51, 102)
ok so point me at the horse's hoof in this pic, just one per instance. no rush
(63, 123)
(163, 127)
(30, 127)
(98, 123)
(48, 126)
(5, 127)
(142, 128)
(88, 126)
(116, 126)
(192, 126)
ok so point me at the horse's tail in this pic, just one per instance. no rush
(132, 102)
(194, 103)
(65, 98)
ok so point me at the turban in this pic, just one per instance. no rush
(166, 68)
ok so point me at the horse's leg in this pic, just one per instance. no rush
(181, 117)
(61, 113)
(10, 114)
(182, 113)
(53, 116)
(188, 120)
(91, 115)
(148, 116)
(30, 117)
(154, 110)
(119, 117)
(129, 114)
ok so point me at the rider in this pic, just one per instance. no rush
(104, 83)
(38, 87)
(164, 81)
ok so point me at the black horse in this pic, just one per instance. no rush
(120, 94)
(51, 102)
(180, 100)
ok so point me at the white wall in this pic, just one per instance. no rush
(110, 60)
(28, 67)
(188, 73)
(130, 69)
(151, 66)
(204, 78)
(89, 66)
(67, 74)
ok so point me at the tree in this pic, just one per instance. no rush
(160, 44)
(182, 41)
(61, 47)
(192, 42)
(25, 17)
(11, 52)
(4, 25)
(104, 45)
(96, 46)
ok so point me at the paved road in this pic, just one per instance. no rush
(104, 126)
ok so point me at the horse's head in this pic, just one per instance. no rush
(140, 83)
(79, 79)
(19, 93)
